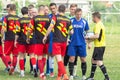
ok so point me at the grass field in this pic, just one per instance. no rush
(111, 60)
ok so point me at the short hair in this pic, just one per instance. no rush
(78, 10)
(52, 4)
(8, 6)
(41, 7)
(96, 14)
(73, 5)
(62, 8)
(24, 10)
(30, 6)
(12, 7)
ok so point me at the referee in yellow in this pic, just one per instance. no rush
(99, 49)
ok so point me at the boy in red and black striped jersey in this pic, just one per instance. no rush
(9, 29)
(2, 56)
(62, 26)
(41, 23)
(24, 45)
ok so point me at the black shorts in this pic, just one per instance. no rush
(98, 53)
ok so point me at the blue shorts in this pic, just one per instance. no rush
(77, 51)
(50, 43)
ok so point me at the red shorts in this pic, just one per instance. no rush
(26, 48)
(9, 48)
(1, 51)
(41, 49)
(59, 48)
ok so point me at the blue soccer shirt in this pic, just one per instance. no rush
(79, 27)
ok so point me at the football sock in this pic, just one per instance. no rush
(40, 65)
(21, 64)
(71, 68)
(8, 60)
(33, 61)
(31, 67)
(4, 60)
(66, 60)
(93, 69)
(44, 62)
(47, 67)
(61, 68)
(103, 69)
(84, 68)
(14, 61)
(51, 64)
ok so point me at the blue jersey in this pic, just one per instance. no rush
(79, 27)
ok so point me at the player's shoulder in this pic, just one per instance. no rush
(72, 19)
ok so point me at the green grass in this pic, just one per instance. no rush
(111, 60)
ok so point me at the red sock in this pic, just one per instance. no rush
(61, 68)
(21, 64)
(8, 60)
(40, 65)
(4, 60)
(33, 61)
(14, 62)
(44, 62)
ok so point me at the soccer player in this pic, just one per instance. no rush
(41, 23)
(30, 7)
(46, 10)
(77, 45)
(99, 49)
(50, 61)
(23, 45)
(9, 30)
(61, 25)
(73, 7)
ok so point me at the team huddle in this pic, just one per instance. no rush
(42, 36)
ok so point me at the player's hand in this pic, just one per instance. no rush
(15, 44)
(44, 40)
(89, 46)
(68, 41)
(28, 41)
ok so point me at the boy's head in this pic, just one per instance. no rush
(53, 8)
(24, 10)
(96, 16)
(62, 8)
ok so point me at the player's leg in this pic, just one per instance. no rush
(75, 66)
(100, 63)
(47, 66)
(51, 65)
(32, 58)
(66, 58)
(21, 64)
(83, 53)
(72, 54)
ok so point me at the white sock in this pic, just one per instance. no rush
(34, 66)
(51, 62)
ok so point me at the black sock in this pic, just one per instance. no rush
(71, 68)
(93, 69)
(84, 68)
(103, 69)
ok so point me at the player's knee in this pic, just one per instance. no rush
(83, 59)
(72, 59)
(99, 63)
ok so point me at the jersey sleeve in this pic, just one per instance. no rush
(86, 26)
(53, 21)
(4, 25)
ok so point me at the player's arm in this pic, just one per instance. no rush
(52, 24)
(4, 29)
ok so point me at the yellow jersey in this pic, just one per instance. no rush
(99, 29)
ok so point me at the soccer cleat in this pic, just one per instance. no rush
(35, 73)
(51, 74)
(65, 77)
(22, 74)
(11, 72)
(71, 78)
(84, 78)
(58, 78)
(107, 79)
(42, 77)
(89, 79)
(17, 70)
